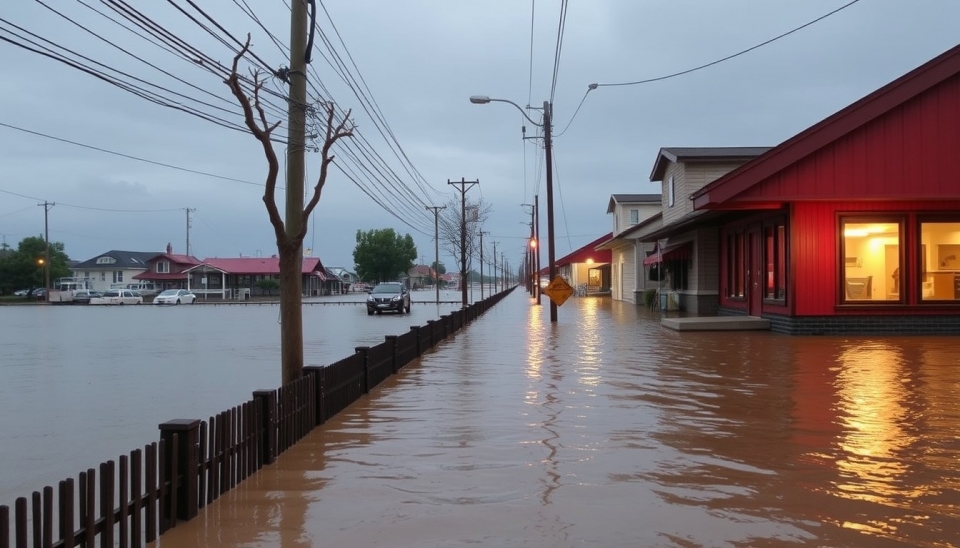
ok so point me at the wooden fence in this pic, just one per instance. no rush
(142, 495)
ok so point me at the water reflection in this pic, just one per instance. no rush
(608, 430)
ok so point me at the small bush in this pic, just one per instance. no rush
(650, 298)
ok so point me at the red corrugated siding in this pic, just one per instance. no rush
(814, 252)
(910, 152)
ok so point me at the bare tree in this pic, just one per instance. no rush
(477, 213)
(289, 243)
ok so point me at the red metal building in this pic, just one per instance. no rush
(853, 225)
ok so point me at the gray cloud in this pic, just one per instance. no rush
(422, 60)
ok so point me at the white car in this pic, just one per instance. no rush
(118, 297)
(175, 296)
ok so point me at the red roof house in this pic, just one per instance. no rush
(238, 276)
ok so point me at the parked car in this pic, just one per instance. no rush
(391, 296)
(118, 297)
(175, 296)
(83, 296)
(21, 292)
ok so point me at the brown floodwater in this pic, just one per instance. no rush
(607, 430)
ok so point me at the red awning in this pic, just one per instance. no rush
(675, 251)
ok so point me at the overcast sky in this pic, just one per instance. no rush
(421, 60)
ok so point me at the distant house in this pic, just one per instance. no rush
(587, 268)
(113, 267)
(238, 277)
(168, 270)
(421, 275)
(630, 213)
(345, 276)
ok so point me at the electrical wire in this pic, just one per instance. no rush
(556, 59)
(533, 11)
(137, 158)
(727, 58)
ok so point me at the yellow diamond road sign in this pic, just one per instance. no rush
(559, 291)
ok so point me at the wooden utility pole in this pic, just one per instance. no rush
(493, 264)
(463, 234)
(188, 228)
(548, 159)
(481, 265)
(536, 237)
(46, 251)
(436, 247)
(291, 284)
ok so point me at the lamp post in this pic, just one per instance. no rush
(548, 153)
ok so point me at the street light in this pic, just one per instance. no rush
(548, 152)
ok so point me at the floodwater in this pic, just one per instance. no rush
(80, 385)
(607, 430)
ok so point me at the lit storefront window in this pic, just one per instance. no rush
(872, 270)
(940, 261)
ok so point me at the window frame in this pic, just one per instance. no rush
(876, 217)
(776, 270)
(736, 265)
(916, 287)
(671, 189)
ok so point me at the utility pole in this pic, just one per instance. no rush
(188, 228)
(494, 266)
(503, 270)
(481, 263)
(536, 237)
(291, 338)
(548, 158)
(463, 233)
(46, 251)
(436, 247)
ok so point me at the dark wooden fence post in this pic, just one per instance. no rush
(416, 336)
(317, 372)
(433, 332)
(392, 341)
(363, 351)
(267, 403)
(187, 462)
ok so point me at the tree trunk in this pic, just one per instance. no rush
(291, 313)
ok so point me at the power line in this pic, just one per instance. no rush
(137, 158)
(556, 59)
(727, 58)
(533, 11)
(590, 88)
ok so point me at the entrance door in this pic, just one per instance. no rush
(754, 289)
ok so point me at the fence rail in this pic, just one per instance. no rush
(142, 495)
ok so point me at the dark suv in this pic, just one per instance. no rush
(388, 296)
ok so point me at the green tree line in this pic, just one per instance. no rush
(23, 267)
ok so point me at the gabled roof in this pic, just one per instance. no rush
(120, 260)
(588, 251)
(614, 242)
(632, 199)
(805, 143)
(678, 155)
(176, 259)
(257, 265)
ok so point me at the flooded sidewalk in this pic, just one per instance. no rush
(608, 430)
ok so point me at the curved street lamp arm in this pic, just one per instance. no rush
(483, 99)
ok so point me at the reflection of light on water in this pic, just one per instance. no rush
(534, 341)
(588, 343)
(872, 411)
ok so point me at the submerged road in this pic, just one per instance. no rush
(608, 430)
